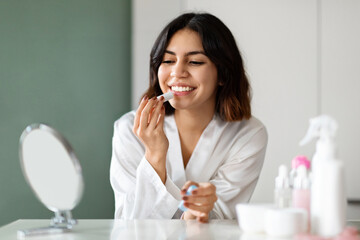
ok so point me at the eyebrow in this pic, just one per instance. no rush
(188, 53)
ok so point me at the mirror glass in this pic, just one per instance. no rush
(50, 167)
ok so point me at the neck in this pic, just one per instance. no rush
(193, 120)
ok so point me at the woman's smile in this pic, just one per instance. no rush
(181, 90)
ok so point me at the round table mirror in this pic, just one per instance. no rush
(52, 170)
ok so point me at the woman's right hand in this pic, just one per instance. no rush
(149, 128)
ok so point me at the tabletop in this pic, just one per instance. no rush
(109, 229)
(91, 229)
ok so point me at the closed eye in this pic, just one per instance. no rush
(196, 63)
(168, 61)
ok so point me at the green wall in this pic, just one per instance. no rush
(65, 63)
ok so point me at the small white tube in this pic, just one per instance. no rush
(167, 96)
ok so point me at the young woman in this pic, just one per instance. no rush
(204, 136)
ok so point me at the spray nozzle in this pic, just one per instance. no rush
(322, 126)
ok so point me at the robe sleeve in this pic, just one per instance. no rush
(236, 178)
(138, 190)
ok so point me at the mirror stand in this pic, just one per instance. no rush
(63, 219)
(62, 222)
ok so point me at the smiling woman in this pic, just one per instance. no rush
(205, 136)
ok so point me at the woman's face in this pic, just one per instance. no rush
(188, 72)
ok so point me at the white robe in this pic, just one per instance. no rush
(229, 155)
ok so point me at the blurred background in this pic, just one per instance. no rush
(68, 64)
(78, 65)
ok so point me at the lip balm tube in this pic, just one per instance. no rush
(188, 192)
(167, 96)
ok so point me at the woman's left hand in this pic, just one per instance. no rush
(200, 202)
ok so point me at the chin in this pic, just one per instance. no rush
(178, 106)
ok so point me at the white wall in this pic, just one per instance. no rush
(340, 81)
(149, 18)
(298, 68)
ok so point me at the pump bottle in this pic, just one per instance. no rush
(296, 162)
(328, 199)
(301, 191)
(282, 192)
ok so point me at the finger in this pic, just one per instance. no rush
(195, 213)
(156, 113)
(205, 189)
(199, 208)
(138, 112)
(145, 113)
(187, 185)
(195, 199)
(203, 219)
(160, 123)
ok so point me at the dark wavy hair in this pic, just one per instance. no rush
(234, 92)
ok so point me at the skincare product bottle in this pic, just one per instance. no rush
(295, 163)
(284, 223)
(301, 192)
(282, 193)
(328, 199)
(188, 192)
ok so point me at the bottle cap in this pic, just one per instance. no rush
(300, 160)
(167, 96)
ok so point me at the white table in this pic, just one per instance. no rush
(131, 229)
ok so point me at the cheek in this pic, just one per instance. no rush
(162, 73)
(209, 77)
(162, 76)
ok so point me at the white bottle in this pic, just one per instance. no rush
(328, 199)
(282, 193)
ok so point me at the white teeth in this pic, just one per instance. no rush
(181, 89)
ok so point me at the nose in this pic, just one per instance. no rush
(179, 70)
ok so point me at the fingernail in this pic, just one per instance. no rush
(145, 98)
(161, 98)
(153, 98)
(185, 198)
(194, 192)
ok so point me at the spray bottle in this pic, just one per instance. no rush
(328, 199)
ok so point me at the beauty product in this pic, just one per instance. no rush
(251, 216)
(188, 192)
(282, 192)
(328, 198)
(285, 222)
(295, 163)
(301, 192)
(167, 96)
